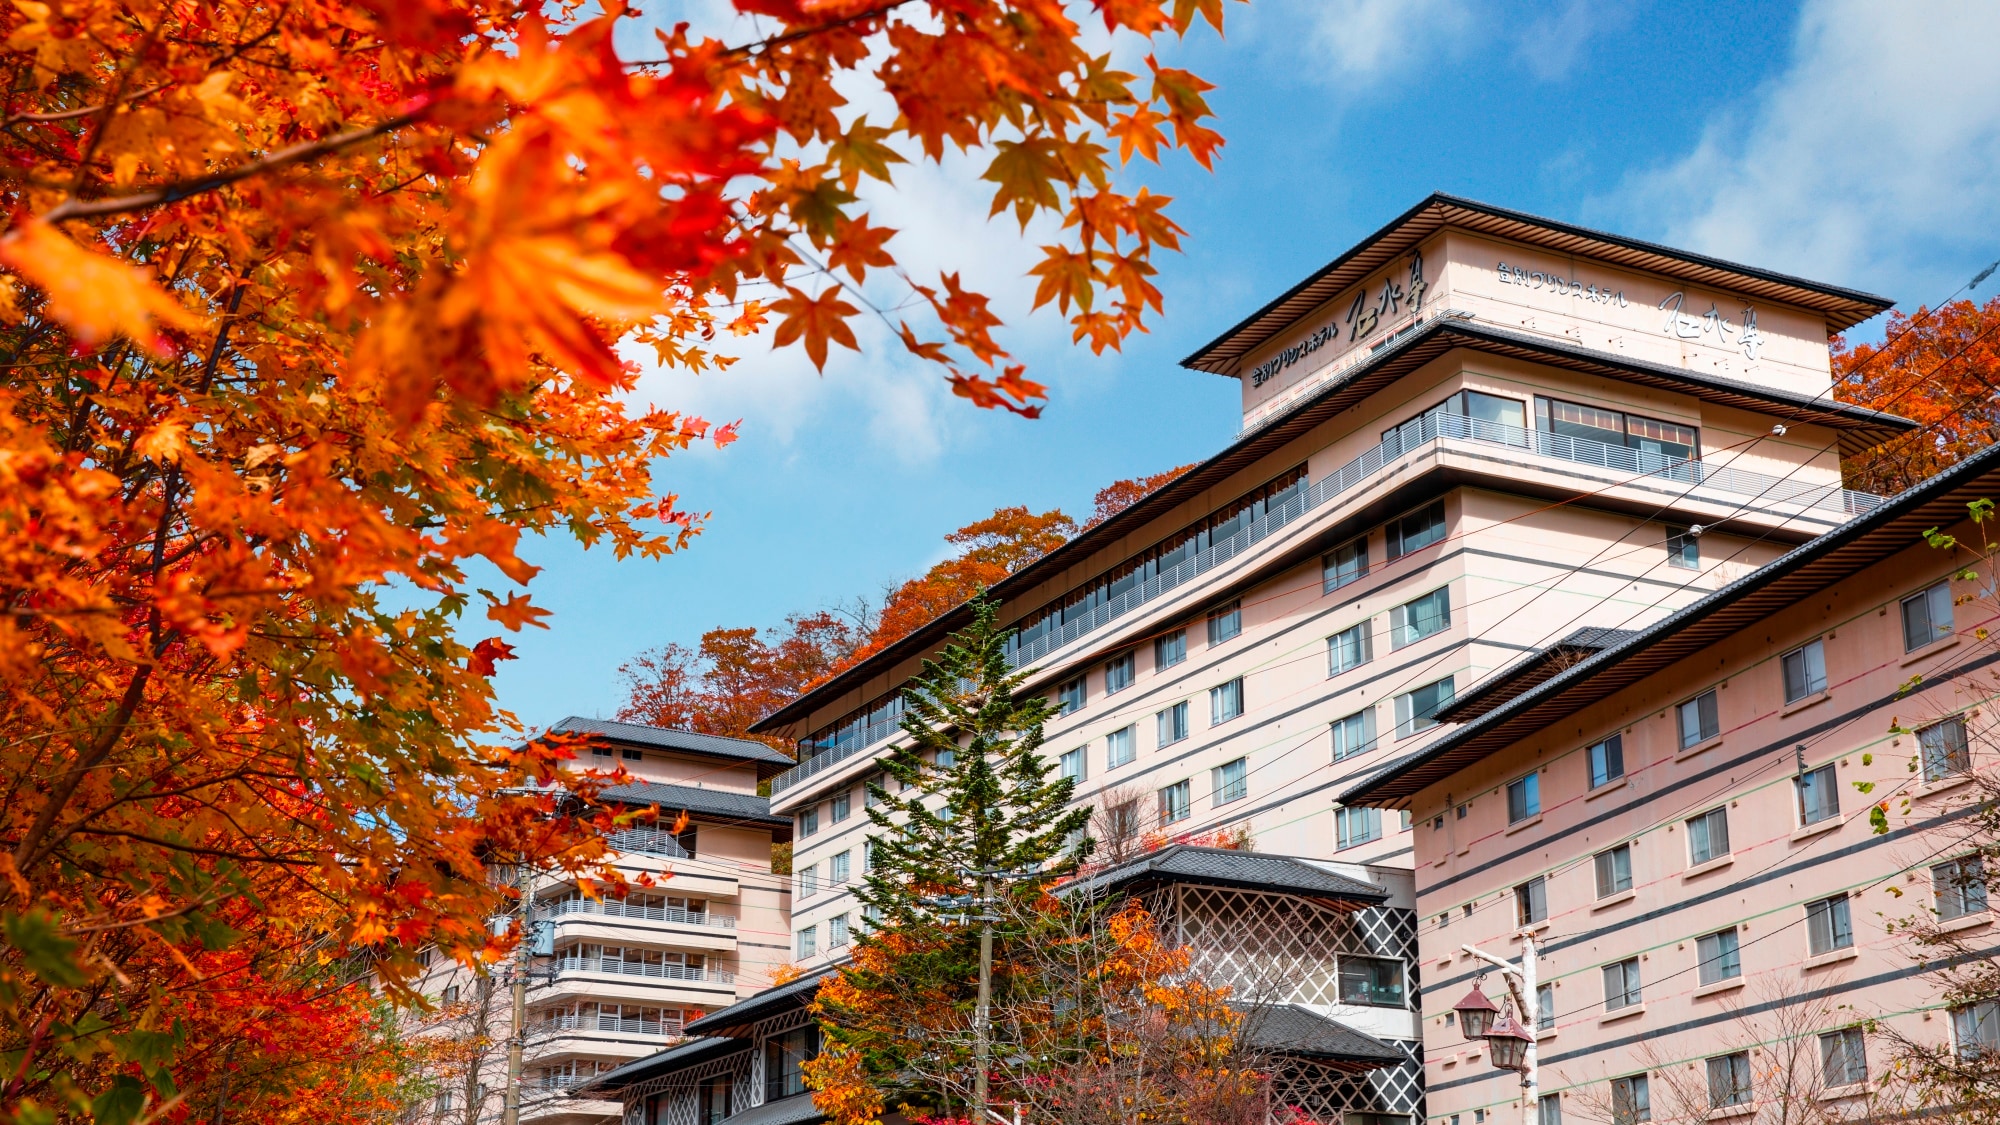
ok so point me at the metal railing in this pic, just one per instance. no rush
(624, 1025)
(612, 908)
(648, 841)
(655, 969)
(1763, 488)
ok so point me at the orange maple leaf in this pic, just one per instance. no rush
(816, 320)
(486, 654)
(95, 297)
(514, 612)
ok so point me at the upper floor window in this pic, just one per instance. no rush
(1232, 781)
(1350, 648)
(836, 931)
(1805, 671)
(1700, 720)
(1708, 836)
(1120, 747)
(1356, 824)
(1374, 981)
(1927, 617)
(1173, 723)
(1423, 617)
(809, 881)
(1614, 871)
(840, 868)
(1225, 623)
(1976, 1029)
(1417, 710)
(1524, 798)
(1631, 1100)
(843, 806)
(1176, 802)
(1484, 416)
(1819, 799)
(1729, 1080)
(632, 755)
(1071, 697)
(1659, 439)
(1719, 956)
(1958, 888)
(1843, 1057)
(1118, 673)
(809, 821)
(785, 1057)
(1945, 752)
(1683, 548)
(1073, 765)
(1829, 925)
(1354, 734)
(868, 788)
(1531, 901)
(1345, 564)
(1607, 761)
(808, 941)
(1225, 701)
(1170, 649)
(1621, 985)
(1416, 530)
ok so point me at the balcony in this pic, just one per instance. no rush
(622, 1025)
(654, 970)
(612, 908)
(647, 841)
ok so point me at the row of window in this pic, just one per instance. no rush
(1225, 623)
(1170, 725)
(1229, 782)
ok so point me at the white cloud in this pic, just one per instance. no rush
(1873, 159)
(1366, 40)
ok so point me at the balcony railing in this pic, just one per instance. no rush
(626, 1025)
(613, 908)
(648, 841)
(653, 969)
(1762, 488)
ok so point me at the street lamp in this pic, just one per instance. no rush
(1475, 1012)
(1507, 1042)
(1511, 1041)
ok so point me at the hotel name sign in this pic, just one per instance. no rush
(1362, 319)
(1678, 324)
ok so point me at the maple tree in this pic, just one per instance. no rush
(1939, 367)
(308, 309)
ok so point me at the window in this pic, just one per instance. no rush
(450, 994)
(1346, 565)
(1614, 871)
(1173, 723)
(1549, 1110)
(1374, 981)
(1232, 781)
(1708, 836)
(1121, 746)
(1073, 766)
(808, 941)
(1545, 1007)
(1524, 798)
(836, 931)
(843, 805)
(1683, 548)
(1621, 984)
(1349, 648)
(1424, 617)
(1944, 749)
(1225, 701)
(1607, 761)
(1355, 824)
(784, 1057)
(809, 880)
(1729, 1080)
(1659, 442)
(869, 847)
(1531, 901)
(1926, 617)
(1417, 530)
(1805, 671)
(1122, 820)
(839, 868)
(632, 755)
(1699, 721)
(1631, 1102)
(600, 751)
(1417, 710)
(1828, 926)
(714, 1099)
(1718, 955)
(1071, 697)
(1843, 1057)
(1170, 649)
(1976, 1027)
(1176, 802)
(879, 781)
(1118, 673)
(1818, 798)
(1958, 888)
(425, 957)
(1354, 734)
(1225, 623)
(809, 821)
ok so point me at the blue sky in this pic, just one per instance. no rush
(1857, 143)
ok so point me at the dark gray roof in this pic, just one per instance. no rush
(785, 1111)
(768, 761)
(1897, 525)
(715, 805)
(1500, 686)
(1288, 1029)
(764, 1005)
(1240, 870)
(664, 1062)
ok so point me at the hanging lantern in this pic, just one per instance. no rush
(1475, 1012)
(1507, 1042)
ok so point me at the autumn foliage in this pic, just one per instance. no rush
(1939, 367)
(311, 311)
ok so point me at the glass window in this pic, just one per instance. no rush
(1683, 548)
(1843, 1057)
(1417, 530)
(1549, 1110)
(1232, 781)
(1354, 734)
(1621, 984)
(1805, 671)
(632, 755)
(1170, 649)
(1348, 649)
(809, 821)
(1926, 617)
(1545, 1007)
(1121, 821)
(838, 868)
(843, 806)
(1225, 623)
(1173, 723)
(1607, 761)
(1631, 1101)
(1176, 802)
(1355, 824)
(1614, 871)
(1345, 565)
(784, 1058)
(1121, 746)
(1945, 752)
(1531, 901)
(1818, 798)
(1073, 766)
(1718, 955)
(808, 941)
(1708, 836)
(1424, 617)
(1417, 710)
(1729, 1080)
(1976, 1027)
(1669, 441)
(1374, 981)
(1118, 673)
(836, 931)
(1575, 420)
(1699, 720)
(1958, 888)
(809, 880)
(1828, 925)
(1524, 798)
(714, 1100)
(1225, 701)
(1495, 418)
(1071, 697)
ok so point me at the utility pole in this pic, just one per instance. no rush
(511, 1115)
(981, 1035)
(1521, 986)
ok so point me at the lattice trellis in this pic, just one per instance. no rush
(746, 1067)
(1325, 1094)
(1279, 948)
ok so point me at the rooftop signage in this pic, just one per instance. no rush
(1362, 319)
